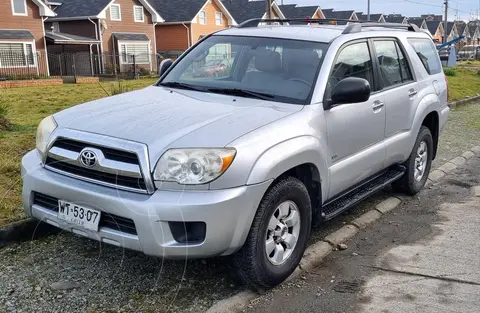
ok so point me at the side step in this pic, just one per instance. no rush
(342, 203)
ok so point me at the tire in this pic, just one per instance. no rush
(252, 265)
(410, 182)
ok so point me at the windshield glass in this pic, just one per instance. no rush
(267, 68)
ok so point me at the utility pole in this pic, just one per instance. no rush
(368, 11)
(445, 27)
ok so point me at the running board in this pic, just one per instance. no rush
(340, 204)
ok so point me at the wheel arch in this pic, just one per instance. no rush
(431, 121)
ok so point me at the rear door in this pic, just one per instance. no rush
(355, 131)
(400, 92)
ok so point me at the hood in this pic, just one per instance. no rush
(164, 118)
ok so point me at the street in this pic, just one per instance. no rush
(423, 257)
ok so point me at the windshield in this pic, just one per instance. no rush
(267, 68)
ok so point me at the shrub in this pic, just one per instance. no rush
(4, 121)
(144, 72)
(118, 88)
(450, 72)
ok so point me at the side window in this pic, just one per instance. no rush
(427, 53)
(394, 68)
(352, 61)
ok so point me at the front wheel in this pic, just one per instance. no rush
(278, 236)
(418, 165)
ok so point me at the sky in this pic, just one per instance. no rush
(405, 7)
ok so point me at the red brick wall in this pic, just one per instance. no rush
(30, 83)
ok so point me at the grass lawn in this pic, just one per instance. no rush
(465, 84)
(27, 107)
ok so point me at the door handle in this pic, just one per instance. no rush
(377, 106)
(412, 93)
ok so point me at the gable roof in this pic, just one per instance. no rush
(243, 10)
(373, 17)
(433, 26)
(341, 15)
(293, 11)
(44, 9)
(450, 26)
(416, 21)
(184, 11)
(394, 18)
(83, 9)
(462, 28)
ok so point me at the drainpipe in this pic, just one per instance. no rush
(99, 46)
(154, 46)
(45, 44)
(188, 34)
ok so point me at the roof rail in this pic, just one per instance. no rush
(355, 27)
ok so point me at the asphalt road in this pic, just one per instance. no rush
(422, 257)
(66, 273)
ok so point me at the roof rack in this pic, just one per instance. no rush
(355, 27)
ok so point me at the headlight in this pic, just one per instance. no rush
(193, 166)
(44, 130)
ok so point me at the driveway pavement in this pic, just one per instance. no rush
(423, 257)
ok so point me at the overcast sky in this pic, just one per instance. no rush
(405, 7)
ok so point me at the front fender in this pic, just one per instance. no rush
(288, 154)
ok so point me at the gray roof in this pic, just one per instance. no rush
(177, 10)
(432, 26)
(15, 34)
(293, 11)
(64, 38)
(394, 18)
(373, 17)
(450, 27)
(416, 21)
(131, 37)
(243, 10)
(80, 8)
(461, 27)
(341, 15)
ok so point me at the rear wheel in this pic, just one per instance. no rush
(278, 236)
(418, 164)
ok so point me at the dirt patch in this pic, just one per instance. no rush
(5, 124)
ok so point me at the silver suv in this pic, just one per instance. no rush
(307, 121)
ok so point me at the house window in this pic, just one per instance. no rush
(138, 15)
(202, 17)
(56, 27)
(115, 12)
(218, 18)
(138, 53)
(16, 55)
(19, 7)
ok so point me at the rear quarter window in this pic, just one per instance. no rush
(427, 53)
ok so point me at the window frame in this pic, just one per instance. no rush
(217, 15)
(120, 43)
(119, 12)
(409, 39)
(200, 17)
(20, 14)
(24, 45)
(135, 16)
(377, 65)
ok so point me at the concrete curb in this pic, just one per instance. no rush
(315, 253)
(25, 230)
(464, 101)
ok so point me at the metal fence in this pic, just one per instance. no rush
(19, 65)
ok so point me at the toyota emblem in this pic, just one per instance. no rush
(88, 158)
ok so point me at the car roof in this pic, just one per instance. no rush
(314, 32)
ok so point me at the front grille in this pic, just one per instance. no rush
(64, 157)
(111, 154)
(107, 220)
(125, 181)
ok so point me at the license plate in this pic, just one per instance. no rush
(79, 215)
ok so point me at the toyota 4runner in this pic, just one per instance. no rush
(305, 122)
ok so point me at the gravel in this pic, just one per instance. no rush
(66, 273)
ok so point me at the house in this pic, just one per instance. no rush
(340, 15)
(108, 36)
(373, 17)
(432, 17)
(187, 21)
(436, 30)
(464, 31)
(395, 18)
(22, 40)
(452, 31)
(294, 11)
(474, 28)
(419, 21)
(243, 10)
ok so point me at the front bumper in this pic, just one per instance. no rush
(228, 213)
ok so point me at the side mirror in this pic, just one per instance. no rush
(164, 66)
(350, 90)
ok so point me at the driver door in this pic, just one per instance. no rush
(355, 131)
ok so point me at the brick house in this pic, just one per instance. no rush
(109, 36)
(22, 40)
(187, 21)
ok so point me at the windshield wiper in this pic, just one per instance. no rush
(183, 86)
(242, 93)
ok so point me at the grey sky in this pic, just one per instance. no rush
(405, 7)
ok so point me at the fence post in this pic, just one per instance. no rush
(134, 67)
(74, 68)
(60, 63)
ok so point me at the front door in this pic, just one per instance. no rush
(355, 131)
